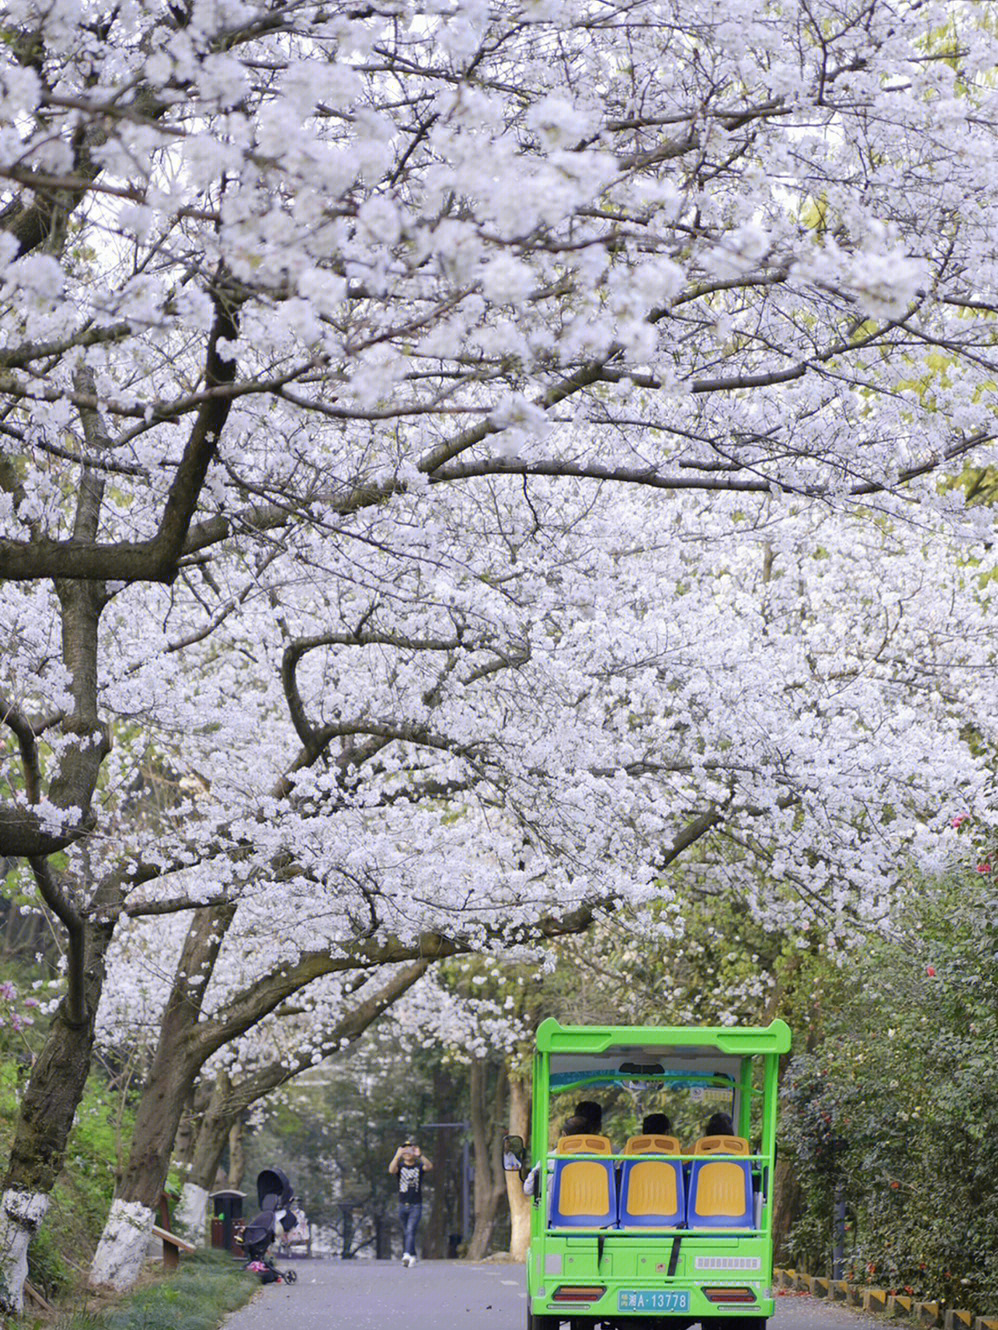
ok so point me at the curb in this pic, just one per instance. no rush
(896, 1306)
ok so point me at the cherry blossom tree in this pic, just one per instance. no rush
(438, 432)
(297, 1040)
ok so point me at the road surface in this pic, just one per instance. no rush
(445, 1295)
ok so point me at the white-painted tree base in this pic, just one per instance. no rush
(21, 1213)
(190, 1215)
(122, 1248)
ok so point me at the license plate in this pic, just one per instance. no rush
(653, 1300)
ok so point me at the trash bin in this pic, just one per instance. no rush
(226, 1206)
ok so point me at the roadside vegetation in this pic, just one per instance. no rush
(889, 1103)
(204, 1289)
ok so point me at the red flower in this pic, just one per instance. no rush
(930, 970)
(985, 867)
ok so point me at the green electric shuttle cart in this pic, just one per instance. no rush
(635, 1228)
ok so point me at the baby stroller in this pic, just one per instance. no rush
(274, 1194)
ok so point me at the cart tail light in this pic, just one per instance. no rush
(729, 1295)
(578, 1293)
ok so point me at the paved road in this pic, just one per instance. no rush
(444, 1295)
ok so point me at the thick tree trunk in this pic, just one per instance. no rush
(59, 1075)
(175, 1068)
(45, 1120)
(190, 1218)
(490, 1183)
(519, 1205)
(214, 1134)
(122, 1247)
(205, 1154)
(190, 1125)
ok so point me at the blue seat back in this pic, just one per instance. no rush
(720, 1194)
(583, 1194)
(652, 1193)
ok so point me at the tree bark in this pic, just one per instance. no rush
(787, 1208)
(207, 1145)
(490, 1182)
(59, 1076)
(435, 1242)
(519, 1205)
(190, 1125)
(214, 1133)
(46, 1119)
(237, 1154)
(175, 1067)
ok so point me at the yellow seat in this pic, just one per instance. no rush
(720, 1190)
(652, 1192)
(721, 1145)
(584, 1193)
(584, 1144)
(652, 1145)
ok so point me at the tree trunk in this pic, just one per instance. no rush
(209, 1143)
(519, 1205)
(57, 1080)
(190, 1125)
(237, 1154)
(190, 1217)
(121, 1250)
(214, 1133)
(45, 1120)
(490, 1183)
(435, 1242)
(175, 1068)
(787, 1208)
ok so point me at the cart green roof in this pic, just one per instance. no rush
(732, 1040)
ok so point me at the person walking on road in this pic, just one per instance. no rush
(409, 1164)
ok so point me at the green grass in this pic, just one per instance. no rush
(204, 1289)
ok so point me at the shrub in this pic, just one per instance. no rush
(894, 1104)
